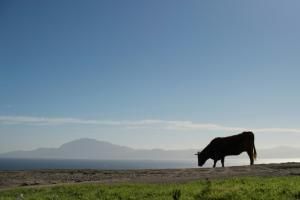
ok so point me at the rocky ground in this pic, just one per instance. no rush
(9, 179)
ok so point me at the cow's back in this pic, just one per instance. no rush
(232, 145)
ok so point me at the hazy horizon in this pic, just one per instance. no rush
(148, 74)
(91, 149)
(165, 149)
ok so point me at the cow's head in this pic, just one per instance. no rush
(202, 158)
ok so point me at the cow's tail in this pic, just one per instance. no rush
(254, 152)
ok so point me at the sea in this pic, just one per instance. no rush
(8, 164)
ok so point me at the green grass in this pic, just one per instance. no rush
(236, 188)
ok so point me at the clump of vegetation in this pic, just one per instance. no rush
(279, 188)
(176, 194)
(297, 195)
(204, 192)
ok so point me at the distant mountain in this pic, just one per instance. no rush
(93, 149)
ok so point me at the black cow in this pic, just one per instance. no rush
(220, 147)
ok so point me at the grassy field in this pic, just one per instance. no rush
(236, 188)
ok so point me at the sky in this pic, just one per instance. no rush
(148, 74)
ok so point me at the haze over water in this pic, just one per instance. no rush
(30, 164)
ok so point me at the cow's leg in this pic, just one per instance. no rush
(215, 162)
(250, 154)
(222, 161)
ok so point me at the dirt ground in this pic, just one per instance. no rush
(9, 179)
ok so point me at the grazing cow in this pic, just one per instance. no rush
(220, 147)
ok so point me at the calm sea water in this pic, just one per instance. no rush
(29, 164)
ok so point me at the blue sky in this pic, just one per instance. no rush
(233, 64)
